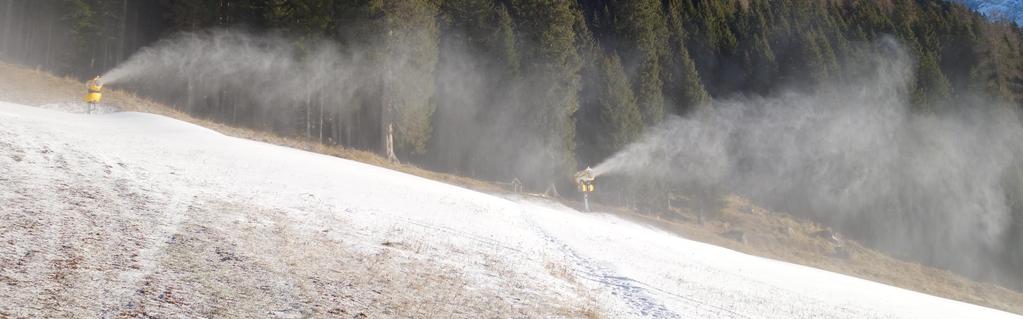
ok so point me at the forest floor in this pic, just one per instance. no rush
(741, 225)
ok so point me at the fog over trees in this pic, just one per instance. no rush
(536, 89)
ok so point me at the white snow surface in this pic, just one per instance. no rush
(132, 213)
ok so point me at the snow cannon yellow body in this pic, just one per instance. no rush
(95, 87)
(584, 180)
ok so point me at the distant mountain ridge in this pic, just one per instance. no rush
(1011, 10)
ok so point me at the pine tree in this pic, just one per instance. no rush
(931, 86)
(589, 127)
(304, 19)
(504, 43)
(410, 59)
(620, 116)
(80, 15)
(641, 27)
(193, 15)
(94, 28)
(809, 62)
(682, 82)
(551, 76)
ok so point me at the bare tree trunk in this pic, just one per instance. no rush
(390, 145)
(387, 120)
(308, 116)
(337, 129)
(387, 114)
(188, 103)
(321, 121)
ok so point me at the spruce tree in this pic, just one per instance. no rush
(620, 116)
(551, 67)
(931, 85)
(682, 84)
(642, 29)
(410, 59)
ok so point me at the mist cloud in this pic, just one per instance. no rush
(930, 185)
(927, 184)
(477, 129)
(263, 72)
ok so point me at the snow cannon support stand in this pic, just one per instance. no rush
(584, 181)
(95, 87)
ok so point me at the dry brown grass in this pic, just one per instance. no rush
(768, 234)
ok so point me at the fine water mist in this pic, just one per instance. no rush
(266, 71)
(473, 109)
(931, 184)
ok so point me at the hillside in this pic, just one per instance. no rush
(134, 214)
(535, 90)
(64, 148)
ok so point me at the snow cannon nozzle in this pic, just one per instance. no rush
(585, 175)
(96, 82)
(584, 180)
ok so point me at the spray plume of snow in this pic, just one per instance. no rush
(476, 130)
(852, 154)
(930, 185)
(267, 71)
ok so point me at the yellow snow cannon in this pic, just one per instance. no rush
(584, 181)
(95, 87)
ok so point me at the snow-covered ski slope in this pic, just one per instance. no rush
(133, 213)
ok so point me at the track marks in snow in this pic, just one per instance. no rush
(632, 293)
(683, 288)
(74, 223)
(181, 227)
(90, 234)
(489, 265)
(230, 258)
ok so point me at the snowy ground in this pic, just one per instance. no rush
(126, 214)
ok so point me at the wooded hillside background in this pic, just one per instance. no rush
(549, 86)
(618, 66)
